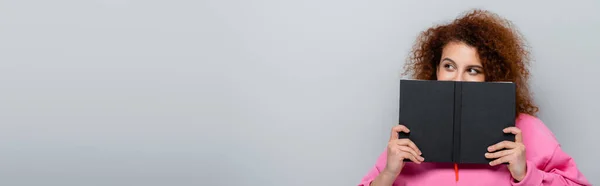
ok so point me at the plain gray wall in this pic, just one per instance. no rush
(262, 92)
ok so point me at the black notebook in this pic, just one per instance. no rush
(455, 121)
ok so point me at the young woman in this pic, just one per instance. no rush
(480, 46)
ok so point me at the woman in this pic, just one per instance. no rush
(480, 46)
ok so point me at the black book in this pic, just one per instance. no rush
(455, 121)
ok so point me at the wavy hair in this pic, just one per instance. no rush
(500, 47)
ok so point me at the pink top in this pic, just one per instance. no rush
(547, 165)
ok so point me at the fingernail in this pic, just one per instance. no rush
(490, 148)
(420, 153)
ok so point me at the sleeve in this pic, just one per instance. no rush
(375, 170)
(560, 169)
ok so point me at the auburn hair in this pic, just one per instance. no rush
(501, 49)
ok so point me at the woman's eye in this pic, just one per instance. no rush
(448, 66)
(473, 71)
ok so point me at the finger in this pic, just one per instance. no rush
(396, 129)
(412, 152)
(502, 145)
(407, 155)
(410, 143)
(499, 154)
(411, 157)
(516, 131)
(499, 161)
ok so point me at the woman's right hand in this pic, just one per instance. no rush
(400, 149)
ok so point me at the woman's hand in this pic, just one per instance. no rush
(400, 149)
(513, 154)
(397, 151)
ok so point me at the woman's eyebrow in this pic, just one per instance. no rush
(448, 60)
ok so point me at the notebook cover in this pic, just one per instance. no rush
(487, 108)
(456, 121)
(426, 108)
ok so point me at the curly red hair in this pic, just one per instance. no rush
(501, 48)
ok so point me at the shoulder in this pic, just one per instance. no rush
(534, 127)
(537, 137)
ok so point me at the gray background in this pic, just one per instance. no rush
(262, 92)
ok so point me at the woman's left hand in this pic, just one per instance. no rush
(511, 152)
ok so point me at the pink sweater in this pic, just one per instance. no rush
(547, 165)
